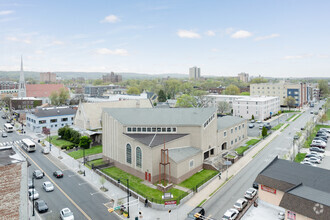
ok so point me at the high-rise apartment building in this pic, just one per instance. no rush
(194, 73)
(48, 77)
(111, 77)
(244, 77)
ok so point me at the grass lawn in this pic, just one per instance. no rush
(277, 126)
(240, 150)
(291, 117)
(328, 114)
(315, 130)
(300, 157)
(136, 184)
(252, 142)
(297, 117)
(95, 162)
(198, 178)
(55, 140)
(289, 111)
(80, 153)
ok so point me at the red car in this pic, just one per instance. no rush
(58, 174)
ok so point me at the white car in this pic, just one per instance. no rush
(319, 142)
(259, 122)
(240, 204)
(250, 193)
(66, 214)
(33, 194)
(325, 130)
(48, 186)
(230, 214)
(308, 163)
(314, 160)
(45, 150)
(317, 154)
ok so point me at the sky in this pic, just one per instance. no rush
(279, 38)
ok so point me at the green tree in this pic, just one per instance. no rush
(63, 96)
(6, 100)
(67, 134)
(264, 131)
(84, 142)
(252, 117)
(61, 131)
(223, 107)
(232, 90)
(290, 102)
(133, 91)
(324, 118)
(97, 82)
(54, 99)
(186, 101)
(258, 80)
(323, 86)
(161, 96)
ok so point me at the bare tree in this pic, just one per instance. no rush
(223, 107)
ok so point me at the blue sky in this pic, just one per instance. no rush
(282, 38)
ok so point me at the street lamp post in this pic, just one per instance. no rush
(32, 195)
(84, 154)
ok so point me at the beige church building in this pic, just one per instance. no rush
(133, 139)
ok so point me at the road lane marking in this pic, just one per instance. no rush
(72, 175)
(66, 195)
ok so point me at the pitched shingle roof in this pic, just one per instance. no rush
(42, 90)
(162, 116)
(153, 140)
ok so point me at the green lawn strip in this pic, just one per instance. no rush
(198, 178)
(296, 117)
(240, 150)
(55, 140)
(252, 142)
(277, 126)
(220, 186)
(300, 157)
(328, 114)
(95, 162)
(285, 127)
(289, 111)
(136, 185)
(312, 136)
(80, 153)
(201, 203)
(291, 117)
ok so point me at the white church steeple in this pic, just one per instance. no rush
(22, 88)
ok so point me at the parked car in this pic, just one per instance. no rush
(296, 137)
(281, 216)
(323, 133)
(314, 160)
(259, 122)
(250, 193)
(240, 204)
(45, 150)
(197, 210)
(38, 174)
(3, 117)
(319, 142)
(41, 206)
(325, 130)
(33, 194)
(4, 134)
(317, 145)
(267, 125)
(313, 155)
(251, 125)
(58, 174)
(48, 186)
(66, 214)
(321, 138)
(316, 149)
(252, 121)
(308, 163)
(261, 126)
(317, 154)
(312, 112)
(30, 184)
(230, 214)
(255, 185)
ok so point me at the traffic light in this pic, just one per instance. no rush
(197, 215)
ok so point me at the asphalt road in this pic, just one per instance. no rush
(72, 191)
(235, 188)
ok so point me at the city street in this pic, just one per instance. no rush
(235, 188)
(72, 191)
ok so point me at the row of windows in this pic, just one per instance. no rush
(237, 139)
(138, 160)
(232, 130)
(51, 120)
(151, 129)
(208, 121)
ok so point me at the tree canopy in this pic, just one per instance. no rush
(186, 101)
(232, 90)
(84, 142)
(133, 91)
(290, 102)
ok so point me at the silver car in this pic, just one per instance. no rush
(240, 204)
(250, 193)
(48, 186)
(33, 194)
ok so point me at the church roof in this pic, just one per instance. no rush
(42, 90)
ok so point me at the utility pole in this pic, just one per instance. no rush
(127, 197)
(32, 195)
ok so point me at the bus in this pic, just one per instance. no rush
(9, 127)
(28, 145)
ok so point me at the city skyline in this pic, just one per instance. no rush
(282, 38)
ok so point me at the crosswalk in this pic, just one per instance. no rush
(10, 143)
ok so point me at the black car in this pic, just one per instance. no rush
(198, 211)
(321, 135)
(3, 117)
(255, 185)
(58, 174)
(38, 174)
(41, 206)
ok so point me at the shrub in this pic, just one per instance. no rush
(252, 117)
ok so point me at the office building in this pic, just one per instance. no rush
(48, 77)
(194, 73)
(243, 77)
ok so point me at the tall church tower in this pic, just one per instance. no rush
(22, 88)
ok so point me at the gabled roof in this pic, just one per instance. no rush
(153, 140)
(183, 153)
(161, 116)
(42, 90)
(229, 121)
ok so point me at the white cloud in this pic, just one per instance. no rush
(110, 19)
(210, 33)
(105, 51)
(57, 42)
(241, 34)
(8, 12)
(266, 37)
(188, 34)
(15, 39)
